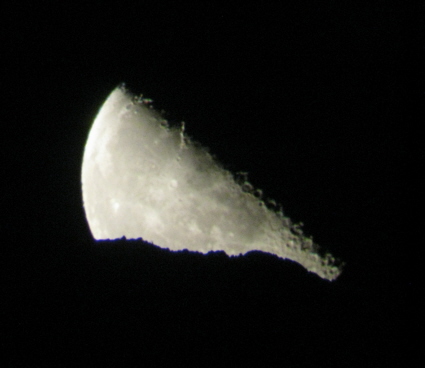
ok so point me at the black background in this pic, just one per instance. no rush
(318, 101)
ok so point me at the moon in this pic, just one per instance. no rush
(142, 178)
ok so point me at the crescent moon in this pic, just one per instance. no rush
(144, 179)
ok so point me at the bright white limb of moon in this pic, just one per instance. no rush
(143, 179)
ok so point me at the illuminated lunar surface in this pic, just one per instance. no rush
(144, 179)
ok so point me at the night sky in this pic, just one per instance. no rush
(317, 101)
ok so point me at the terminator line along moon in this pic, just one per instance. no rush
(142, 178)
